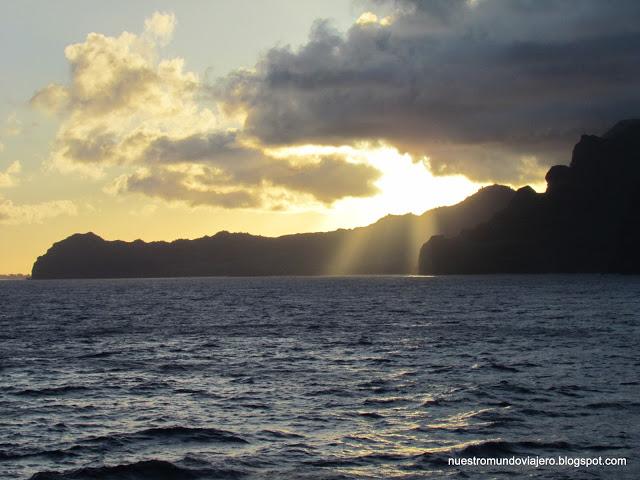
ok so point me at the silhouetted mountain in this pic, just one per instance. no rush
(588, 220)
(388, 246)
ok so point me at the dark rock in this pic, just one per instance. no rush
(588, 220)
(558, 178)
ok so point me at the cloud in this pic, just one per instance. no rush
(183, 186)
(51, 99)
(8, 177)
(12, 126)
(124, 106)
(370, 17)
(119, 76)
(120, 94)
(214, 170)
(491, 89)
(328, 180)
(13, 214)
(160, 26)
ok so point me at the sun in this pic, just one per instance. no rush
(406, 185)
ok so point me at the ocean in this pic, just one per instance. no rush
(324, 378)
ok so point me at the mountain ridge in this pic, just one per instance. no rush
(387, 246)
(587, 220)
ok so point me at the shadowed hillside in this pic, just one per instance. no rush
(588, 220)
(389, 246)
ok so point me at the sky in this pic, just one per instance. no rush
(161, 120)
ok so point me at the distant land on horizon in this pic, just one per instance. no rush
(388, 246)
(588, 220)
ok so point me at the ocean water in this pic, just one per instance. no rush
(354, 377)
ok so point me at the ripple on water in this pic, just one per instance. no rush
(349, 378)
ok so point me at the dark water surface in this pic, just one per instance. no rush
(362, 377)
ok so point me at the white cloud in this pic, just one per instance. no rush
(13, 214)
(368, 18)
(160, 26)
(13, 126)
(120, 94)
(8, 177)
(51, 99)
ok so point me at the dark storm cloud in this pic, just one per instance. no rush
(480, 87)
(196, 148)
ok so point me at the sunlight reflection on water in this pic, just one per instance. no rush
(363, 377)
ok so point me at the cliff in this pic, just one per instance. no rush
(588, 220)
(389, 246)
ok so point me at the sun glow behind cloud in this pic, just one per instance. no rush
(180, 148)
(405, 185)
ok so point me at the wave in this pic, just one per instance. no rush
(100, 444)
(332, 391)
(56, 454)
(503, 368)
(51, 391)
(487, 448)
(100, 354)
(281, 434)
(174, 433)
(499, 447)
(156, 469)
(381, 390)
(568, 390)
(544, 413)
(381, 457)
(185, 434)
(616, 405)
(491, 448)
(436, 401)
(196, 393)
(506, 386)
(385, 401)
(143, 470)
(501, 417)
(370, 415)
(177, 367)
